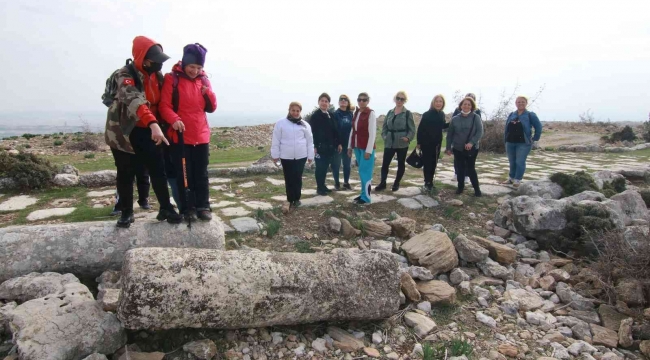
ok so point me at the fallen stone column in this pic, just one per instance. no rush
(89, 248)
(181, 288)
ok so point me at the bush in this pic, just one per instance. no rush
(492, 139)
(58, 142)
(626, 134)
(582, 220)
(89, 156)
(46, 136)
(574, 184)
(645, 194)
(646, 131)
(87, 143)
(304, 247)
(272, 228)
(27, 170)
(29, 136)
(615, 187)
(65, 137)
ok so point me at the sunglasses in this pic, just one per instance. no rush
(400, 99)
(362, 100)
(344, 99)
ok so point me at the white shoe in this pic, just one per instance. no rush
(455, 178)
(467, 180)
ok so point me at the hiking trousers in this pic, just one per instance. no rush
(197, 158)
(293, 170)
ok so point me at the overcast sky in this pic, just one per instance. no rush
(56, 55)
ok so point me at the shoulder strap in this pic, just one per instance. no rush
(161, 78)
(134, 74)
(174, 91)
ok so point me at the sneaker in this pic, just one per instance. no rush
(144, 204)
(360, 202)
(204, 215)
(428, 187)
(125, 220)
(478, 193)
(395, 187)
(116, 212)
(381, 186)
(321, 192)
(296, 203)
(455, 178)
(516, 183)
(459, 191)
(507, 182)
(327, 190)
(347, 186)
(170, 215)
(467, 180)
(337, 187)
(190, 216)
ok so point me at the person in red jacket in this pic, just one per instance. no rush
(186, 96)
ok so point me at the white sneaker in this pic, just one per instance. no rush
(466, 179)
(455, 178)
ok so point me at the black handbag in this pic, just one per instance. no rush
(415, 159)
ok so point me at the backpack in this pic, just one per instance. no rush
(110, 91)
(174, 74)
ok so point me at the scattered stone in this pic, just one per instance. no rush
(373, 353)
(644, 346)
(610, 318)
(245, 224)
(136, 355)
(457, 276)
(508, 350)
(409, 203)
(486, 281)
(625, 333)
(486, 320)
(547, 283)
(376, 229)
(542, 188)
(437, 291)
(528, 300)
(48, 213)
(426, 201)
(422, 325)
(420, 273)
(501, 232)
(94, 356)
(334, 225)
(498, 252)
(65, 180)
(559, 275)
(603, 336)
(347, 230)
(631, 292)
(19, 202)
(568, 296)
(425, 306)
(344, 340)
(109, 299)
(409, 288)
(469, 250)
(377, 337)
(493, 269)
(203, 349)
(35, 285)
(455, 202)
(590, 317)
(580, 347)
(403, 227)
(559, 351)
(319, 345)
(433, 250)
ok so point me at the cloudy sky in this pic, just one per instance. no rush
(262, 55)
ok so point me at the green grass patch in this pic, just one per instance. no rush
(304, 247)
(246, 154)
(58, 142)
(102, 161)
(89, 156)
(272, 228)
(443, 313)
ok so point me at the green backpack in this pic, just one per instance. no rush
(110, 91)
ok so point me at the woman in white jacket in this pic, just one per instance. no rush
(293, 144)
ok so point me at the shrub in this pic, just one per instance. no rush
(27, 170)
(29, 136)
(492, 139)
(272, 228)
(89, 156)
(645, 194)
(46, 136)
(626, 134)
(304, 247)
(646, 131)
(65, 137)
(574, 184)
(615, 187)
(582, 220)
(58, 142)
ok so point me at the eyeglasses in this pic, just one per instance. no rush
(344, 99)
(400, 98)
(362, 100)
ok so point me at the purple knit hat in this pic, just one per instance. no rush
(193, 54)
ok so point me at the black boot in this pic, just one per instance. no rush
(381, 186)
(459, 190)
(395, 186)
(477, 192)
(204, 215)
(126, 219)
(170, 215)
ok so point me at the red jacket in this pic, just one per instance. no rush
(362, 134)
(147, 114)
(191, 106)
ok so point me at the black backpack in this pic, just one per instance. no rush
(110, 91)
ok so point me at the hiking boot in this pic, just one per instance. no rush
(321, 192)
(125, 220)
(327, 191)
(296, 203)
(381, 186)
(116, 212)
(170, 215)
(459, 191)
(144, 204)
(428, 186)
(204, 215)
(477, 193)
(347, 186)
(337, 187)
(360, 202)
(190, 215)
(395, 187)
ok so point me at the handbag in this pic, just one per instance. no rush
(473, 151)
(415, 159)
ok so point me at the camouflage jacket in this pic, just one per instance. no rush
(122, 114)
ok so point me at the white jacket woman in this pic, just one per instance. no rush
(293, 145)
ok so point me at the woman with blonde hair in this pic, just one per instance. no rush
(293, 145)
(429, 138)
(519, 139)
(343, 117)
(398, 131)
(465, 132)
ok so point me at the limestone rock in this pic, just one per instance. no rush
(420, 273)
(493, 269)
(625, 333)
(433, 250)
(108, 299)
(632, 205)
(533, 217)
(437, 291)
(402, 227)
(373, 353)
(409, 288)
(498, 252)
(98, 178)
(334, 225)
(347, 230)
(457, 276)
(410, 203)
(590, 316)
(364, 286)
(94, 356)
(544, 188)
(568, 296)
(603, 336)
(605, 177)
(344, 340)
(469, 250)
(136, 355)
(89, 248)
(65, 180)
(70, 325)
(580, 347)
(644, 346)
(508, 350)
(48, 213)
(631, 292)
(35, 285)
(376, 229)
(559, 351)
(486, 320)
(528, 300)
(203, 349)
(422, 325)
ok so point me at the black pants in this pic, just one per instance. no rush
(196, 164)
(389, 153)
(292, 170)
(323, 163)
(430, 156)
(466, 166)
(148, 155)
(143, 184)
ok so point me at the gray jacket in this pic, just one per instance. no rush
(396, 127)
(459, 129)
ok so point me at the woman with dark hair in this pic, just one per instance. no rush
(398, 131)
(457, 112)
(429, 138)
(465, 131)
(293, 145)
(186, 96)
(362, 143)
(326, 141)
(343, 117)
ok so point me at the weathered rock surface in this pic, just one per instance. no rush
(605, 177)
(34, 285)
(632, 205)
(65, 180)
(631, 292)
(610, 318)
(498, 252)
(436, 291)
(568, 296)
(604, 336)
(528, 300)
(344, 340)
(422, 325)
(176, 288)
(492, 268)
(541, 188)
(89, 248)
(70, 325)
(98, 178)
(403, 227)
(409, 288)
(376, 229)
(203, 349)
(347, 230)
(469, 250)
(433, 250)
(533, 217)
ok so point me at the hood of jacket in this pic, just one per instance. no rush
(141, 45)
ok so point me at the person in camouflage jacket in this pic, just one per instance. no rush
(132, 129)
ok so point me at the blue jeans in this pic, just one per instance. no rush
(336, 164)
(517, 154)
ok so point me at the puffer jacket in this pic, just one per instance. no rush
(192, 106)
(396, 127)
